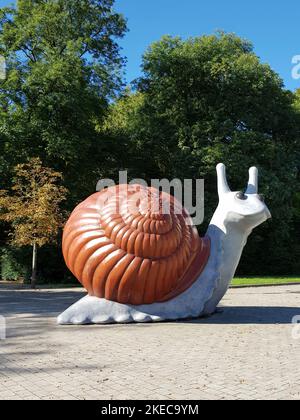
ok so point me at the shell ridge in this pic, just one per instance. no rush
(77, 245)
(85, 253)
(128, 279)
(115, 277)
(98, 277)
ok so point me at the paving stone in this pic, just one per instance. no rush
(245, 352)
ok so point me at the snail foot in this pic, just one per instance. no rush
(93, 310)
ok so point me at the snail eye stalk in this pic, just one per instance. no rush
(241, 196)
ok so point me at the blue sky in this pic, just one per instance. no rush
(273, 26)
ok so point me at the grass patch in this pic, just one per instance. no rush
(236, 282)
(263, 281)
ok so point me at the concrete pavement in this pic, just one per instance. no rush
(247, 351)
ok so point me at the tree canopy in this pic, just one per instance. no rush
(208, 100)
(32, 204)
(63, 68)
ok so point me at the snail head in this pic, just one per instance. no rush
(246, 208)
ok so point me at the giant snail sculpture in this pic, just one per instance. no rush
(142, 264)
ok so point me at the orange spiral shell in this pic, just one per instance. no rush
(133, 245)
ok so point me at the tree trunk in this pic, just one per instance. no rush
(34, 266)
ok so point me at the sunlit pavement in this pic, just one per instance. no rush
(249, 350)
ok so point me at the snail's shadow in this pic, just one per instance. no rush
(264, 315)
(47, 305)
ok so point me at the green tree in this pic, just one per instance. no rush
(207, 100)
(297, 100)
(32, 207)
(63, 68)
(118, 134)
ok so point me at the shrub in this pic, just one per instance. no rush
(14, 264)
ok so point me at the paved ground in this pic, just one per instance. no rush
(245, 352)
